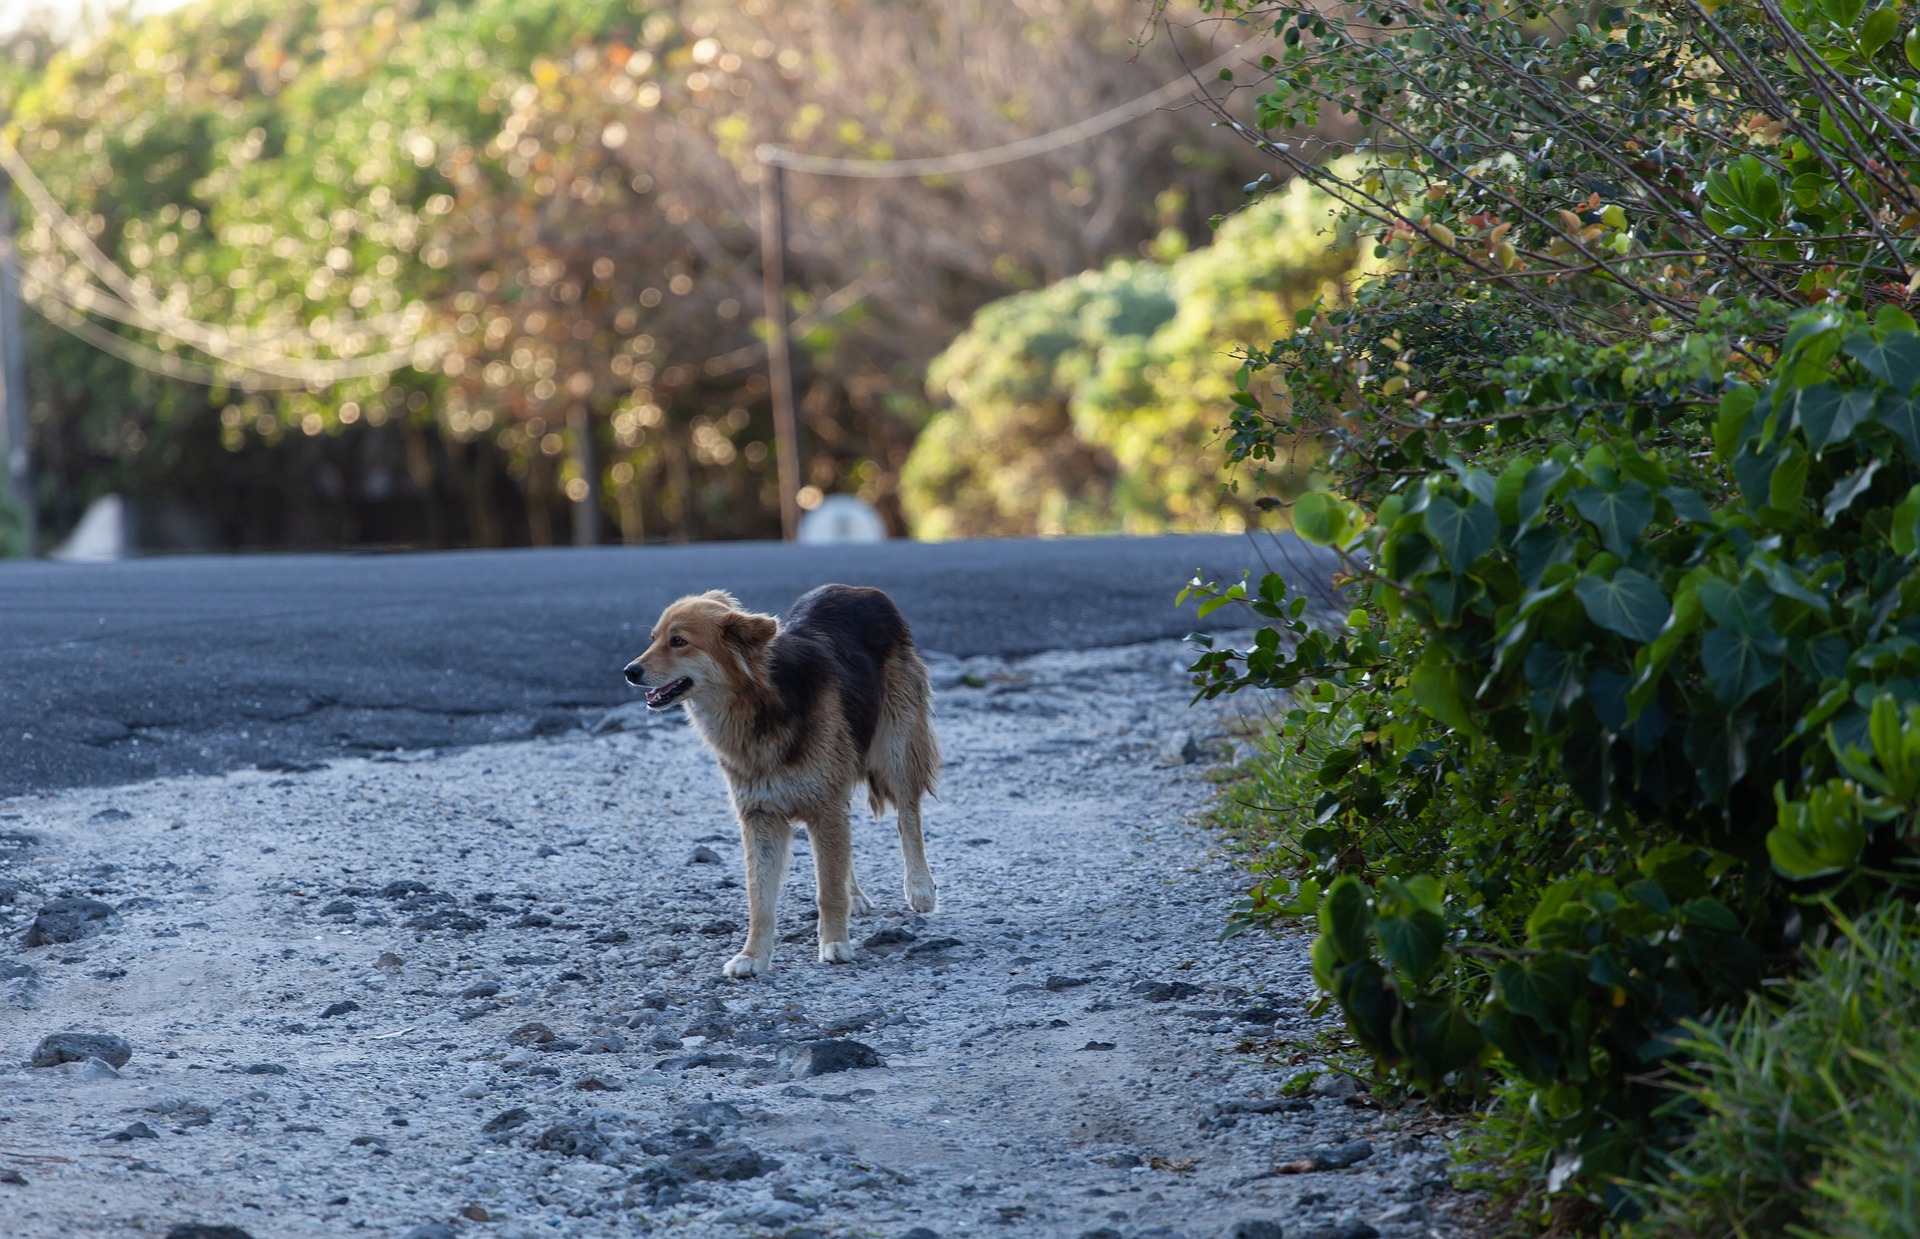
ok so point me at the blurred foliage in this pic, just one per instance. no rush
(1622, 450)
(1095, 405)
(559, 202)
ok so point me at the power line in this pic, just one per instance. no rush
(992, 156)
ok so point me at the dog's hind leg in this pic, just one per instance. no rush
(922, 895)
(903, 765)
(768, 838)
(832, 836)
(857, 901)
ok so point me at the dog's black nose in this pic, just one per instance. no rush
(635, 674)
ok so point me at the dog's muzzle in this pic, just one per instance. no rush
(636, 674)
(664, 696)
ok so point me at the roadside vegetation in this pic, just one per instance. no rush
(1605, 798)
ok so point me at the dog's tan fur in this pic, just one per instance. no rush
(780, 771)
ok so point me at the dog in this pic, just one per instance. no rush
(797, 711)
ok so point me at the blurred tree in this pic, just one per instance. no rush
(1095, 405)
(554, 199)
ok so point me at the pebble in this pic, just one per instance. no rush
(1256, 1228)
(534, 1033)
(78, 1047)
(828, 1057)
(13, 1177)
(70, 920)
(432, 1230)
(1339, 1230)
(573, 1138)
(728, 1162)
(485, 989)
(135, 1131)
(1181, 749)
(1327, 1157)
(704, 855)
(200, 1230)
(264, 1069)
(506, 1121)
(340, 1008)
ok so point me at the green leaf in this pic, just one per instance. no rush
(1734, 423)
(1346, 919)
(1544, 989)
(1434, 691)
(1440, 1039)
(1879, 28)
(1412, 942)
(1620, 514)
(1894, 360)
(1789, 481)
(1463, 533)
(1323, 519)
(1827, 415)
(1848, 488)
(1630, 604)
(1901, 414)
(1740, 664)
(1904, 532)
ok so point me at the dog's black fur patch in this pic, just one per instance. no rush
(835, 635)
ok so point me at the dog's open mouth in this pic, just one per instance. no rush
(664, 696)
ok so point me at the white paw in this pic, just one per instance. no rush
(836, 952)
(744, 965)
(859, 904)
(921, 896)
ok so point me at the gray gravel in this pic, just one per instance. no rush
(479, 993)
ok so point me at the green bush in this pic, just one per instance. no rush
(1806, 1106)
(1625, 450)
(1096, 404)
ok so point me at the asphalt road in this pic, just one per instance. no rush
(113, 673)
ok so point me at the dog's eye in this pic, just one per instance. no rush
(677, 642)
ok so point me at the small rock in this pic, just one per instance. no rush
(1340, 1230)
(264, 1069)
(1181, 749)
(340, 907)
(932, 945)
(78, 1047)
(70, 920)
(92, 1069)
(730, 1161)
(719, 928)
(388, 960)
(1098, 1045)
(12, 892)
(605, 1043)
(888, 937)
(200, 1230)
(1409, 1214)
(431, 899)
(340, 1008)
(1167, 991)
(1327, 1157)
(403, 888)
(921, 1232)
(1256, 1228)
(135, 1131)
(432, 1230)
(828, 1057)
(1332, 1084)
(611, 937)
(534, 1034)
(1056, 984)
(506, 1121)
(704, 855)
(13, 1177)
(451, 919)
(1106, 1232)
(573, 1138)
(713, 1114)
(111, 815)
(1259, 1015)
(594, 1084)
(486, 989)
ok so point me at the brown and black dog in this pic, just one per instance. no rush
(798, 711)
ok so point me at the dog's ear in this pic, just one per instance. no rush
(722, 597)
(745, 630)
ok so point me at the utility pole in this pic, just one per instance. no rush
(18, 470)
(773, 285)
(586, 509)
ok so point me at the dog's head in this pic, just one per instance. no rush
(704, 645)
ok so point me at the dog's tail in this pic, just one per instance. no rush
(903, 763)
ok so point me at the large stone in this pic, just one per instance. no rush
(729, 1161)
(69, 920)
(78, 1047)
(827, 1057)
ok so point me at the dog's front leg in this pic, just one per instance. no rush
(832, 837)
(767, 839)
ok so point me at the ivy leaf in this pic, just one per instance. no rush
(1739, 664)
(1894, 360)
(1544, 990)
(1828, 415)
(1789, 481)
(1412, 942)
(1440, 1039)
(1850, 487)
(1619, 514)
(1345, 917)
(1463, 534)
(1434, 691)
(1901, 414)
(1630, 604)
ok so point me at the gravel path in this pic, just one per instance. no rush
(478, 993)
